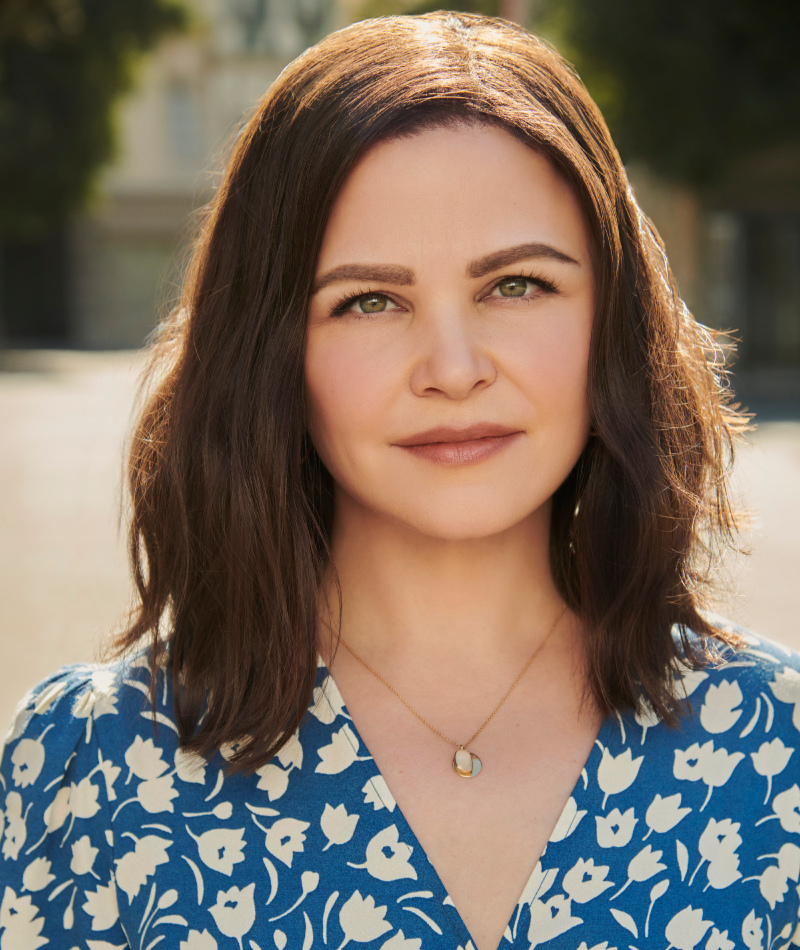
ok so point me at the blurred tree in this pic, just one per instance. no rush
(688, 86)
(372, 8)
(63, 65)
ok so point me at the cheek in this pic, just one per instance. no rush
(551, 366)
(346, 389)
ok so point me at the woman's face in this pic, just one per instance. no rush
(454, 289)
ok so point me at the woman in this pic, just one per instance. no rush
(432, 419)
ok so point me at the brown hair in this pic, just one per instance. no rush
(232, 508)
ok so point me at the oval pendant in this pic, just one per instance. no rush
(466, 764)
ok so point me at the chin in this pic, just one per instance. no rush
(464, 520)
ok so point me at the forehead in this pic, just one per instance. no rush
(456, 192)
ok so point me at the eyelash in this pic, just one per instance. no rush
(341, 307)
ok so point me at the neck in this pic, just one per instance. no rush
(454, 604)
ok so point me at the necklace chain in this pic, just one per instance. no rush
(422, 719)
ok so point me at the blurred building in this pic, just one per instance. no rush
(736, 253)
(122, 257)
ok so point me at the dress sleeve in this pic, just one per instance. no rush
(56, 858)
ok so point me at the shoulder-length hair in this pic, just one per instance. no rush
(232, 508)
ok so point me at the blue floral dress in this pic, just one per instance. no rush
(114, 838)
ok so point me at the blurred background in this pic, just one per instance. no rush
(115, 119)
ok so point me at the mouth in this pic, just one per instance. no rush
(454, 434)
(449, 446)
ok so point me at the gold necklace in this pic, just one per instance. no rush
(465, 763)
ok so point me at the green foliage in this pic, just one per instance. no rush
(63, 65)
(688, 86)
(374, 8)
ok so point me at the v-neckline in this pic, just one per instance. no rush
(582, 790)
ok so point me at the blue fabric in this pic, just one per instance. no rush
(113, 839)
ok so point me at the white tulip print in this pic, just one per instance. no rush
(539, 883)
(83, 856)
(340, 753)
(392, 867)
(773, 882)
(628, 875)
(220, 848)
(155, 795)
(21, 923)
(719, 941)
(273, 780)
(718, 845)
(144, 760)
(291, 755)
(376, 793)
(110, 773)
(568, 821)
(687, 680)
(786, 808)
(646, 718)
(197, 940)
(101, 906)
(550, 919)
(28, 759)
(235, 912)
(585, 881)
(37, 876)
(786, 689)
(643, 866)
(16, 829)
(337, 826)
(686, 929)
(616, 773)
(83, 797)
(190, 768)
(719, 711)
(770, 760)
(136, 866)
(702, 763)
(327, 702)
(752, 932)
(285, 838)
(361, 920)
(615, 829)
(100, 699)
(663, 814)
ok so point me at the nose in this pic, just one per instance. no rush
(452, 360)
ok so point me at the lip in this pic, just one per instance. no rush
(455, 434)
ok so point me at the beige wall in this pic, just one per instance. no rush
(191, 96)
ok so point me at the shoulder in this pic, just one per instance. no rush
(758, 674)
(75, 723)
(64, 761)
(67, 704)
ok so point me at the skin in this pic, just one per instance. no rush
(444, 570)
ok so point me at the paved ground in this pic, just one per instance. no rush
(63, 572)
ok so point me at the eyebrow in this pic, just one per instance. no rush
(395, 274)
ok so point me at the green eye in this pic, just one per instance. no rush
(374, 303)
(513, 287)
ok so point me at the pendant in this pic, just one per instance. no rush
(466, 764)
